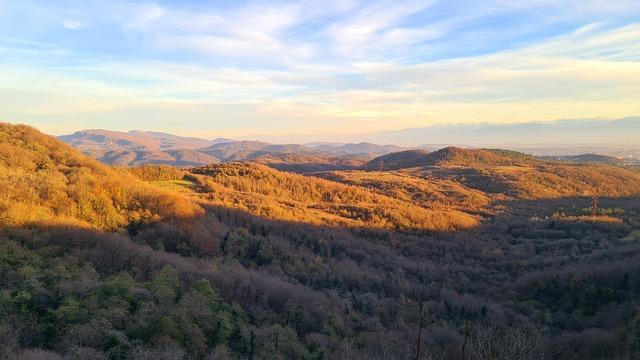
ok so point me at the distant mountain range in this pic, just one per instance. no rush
(135, 148)
(101, 141)
(613, 142)
(620, 132)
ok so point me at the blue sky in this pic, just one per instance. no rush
(234, 68)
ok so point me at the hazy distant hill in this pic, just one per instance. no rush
(356, 148)
(587, 159)
(98, 142)
(563, 132)
(136, 148)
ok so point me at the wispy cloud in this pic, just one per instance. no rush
(316, 67)
(72, 24)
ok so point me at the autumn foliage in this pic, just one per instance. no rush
(43, 179)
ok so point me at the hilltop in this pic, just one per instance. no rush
(449, 156)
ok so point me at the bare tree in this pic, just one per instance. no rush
(506, 343)
(420, 324)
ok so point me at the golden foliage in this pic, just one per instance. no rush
(44, 179)
(157, 173)
(284, 196)
(426, 192)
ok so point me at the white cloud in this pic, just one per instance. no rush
(346, 68)
(72, 24)
(375, 27)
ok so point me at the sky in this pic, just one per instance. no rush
(273, 68)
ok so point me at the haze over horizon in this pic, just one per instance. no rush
(276, 69)
(588, 135)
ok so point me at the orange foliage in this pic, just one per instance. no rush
(44, 179)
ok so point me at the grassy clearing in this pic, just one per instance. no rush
(176, 185)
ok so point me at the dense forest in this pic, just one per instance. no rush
(455, 254)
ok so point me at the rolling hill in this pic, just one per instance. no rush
(511, 173)
(449, 156)
(239, 260)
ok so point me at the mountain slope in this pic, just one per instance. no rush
(540, 180)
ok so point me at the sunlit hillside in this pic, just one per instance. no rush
(44, 180)
(273, 194)
(423, 191)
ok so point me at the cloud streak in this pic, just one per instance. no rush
(276, 67)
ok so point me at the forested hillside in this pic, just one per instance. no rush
(469, 255)
(272, 194)
(45, 181)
